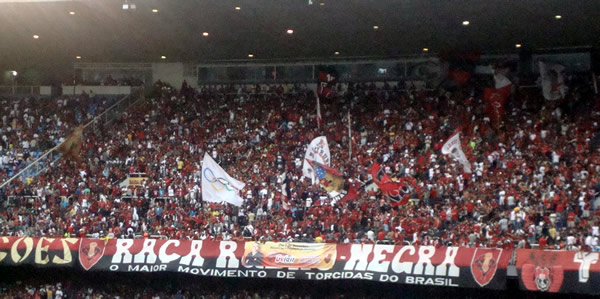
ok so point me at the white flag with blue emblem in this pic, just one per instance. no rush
(318, 150)
(217, 185)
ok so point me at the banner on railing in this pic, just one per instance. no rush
(421, 265)
(559, 271)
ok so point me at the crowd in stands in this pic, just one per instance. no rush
(61, 291)
(534, 180)
(123, 81)
(56, 283)
(108, 80)
(30, 126)
(109, 286)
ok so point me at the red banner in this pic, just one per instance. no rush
(422, 265)
(559, 271)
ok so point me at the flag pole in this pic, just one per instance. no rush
(349, 137)
(318, 112)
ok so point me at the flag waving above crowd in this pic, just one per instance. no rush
(395, 191)
(500, 78)
(71, 147)
(553, 83)
(496, 97)
(453, 148)
(331, 179)
(317, 151)
(326, 85)
(217, 185)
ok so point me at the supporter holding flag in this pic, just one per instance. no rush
(217, 185)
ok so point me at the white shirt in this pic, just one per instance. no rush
(371, 235)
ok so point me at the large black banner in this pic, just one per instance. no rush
(422, 265)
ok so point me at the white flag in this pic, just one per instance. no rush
(500, 79)
(318, 151)
(553, 83)
(217, 185)
(452, 147)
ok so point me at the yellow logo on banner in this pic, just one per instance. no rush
(137, 179)
(289, 255)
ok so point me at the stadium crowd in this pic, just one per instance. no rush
(43, 286)
(29, 126)
(534, 180)
(59, 291)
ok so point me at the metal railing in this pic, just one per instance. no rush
(20, 90)
(50, 156)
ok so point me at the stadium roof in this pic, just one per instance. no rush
(102, 31)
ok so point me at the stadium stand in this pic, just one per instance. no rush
(31, 126)
(534, 178)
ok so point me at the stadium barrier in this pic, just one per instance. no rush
(420, 265)
(25, 90)
(96, 89)
(537, 270)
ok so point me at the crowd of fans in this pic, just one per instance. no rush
(57, 283)
(30, 126)
(534, 180)
(123, 81)
(110, 286)
(61, 291)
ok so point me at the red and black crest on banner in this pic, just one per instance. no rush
(485, 264)
(90, 252)
(542, 273)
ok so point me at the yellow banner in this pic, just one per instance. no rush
(289, 255)
(137, 181)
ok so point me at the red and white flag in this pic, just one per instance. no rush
(325, 85)
(453, 148)
(495, 99)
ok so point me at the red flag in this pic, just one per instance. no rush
(496, 99)
(352, 193)
(394, 191)
(325, 86)
(459, 76)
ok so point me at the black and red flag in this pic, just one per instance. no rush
(398, 193)
(326, 85)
